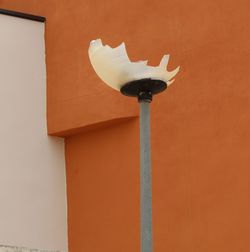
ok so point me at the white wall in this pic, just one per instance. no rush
(21, 249)
(32, 168)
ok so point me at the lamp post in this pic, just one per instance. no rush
(135, 79)
(144, 89)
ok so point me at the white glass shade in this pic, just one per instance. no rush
(113, 66)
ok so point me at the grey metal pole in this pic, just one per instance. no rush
(145, 177)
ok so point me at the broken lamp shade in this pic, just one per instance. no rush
(114, 67)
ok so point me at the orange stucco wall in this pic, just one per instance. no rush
(103, 189)
(200, 126)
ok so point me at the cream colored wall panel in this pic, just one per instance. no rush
(32, 166)
(21, 249)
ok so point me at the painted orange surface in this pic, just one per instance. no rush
(103, 189)
(76, 98)
(200, 126)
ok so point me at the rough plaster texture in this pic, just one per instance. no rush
(22, 249)
(200, 126)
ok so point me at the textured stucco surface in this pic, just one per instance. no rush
(200, 126)
(22, 249)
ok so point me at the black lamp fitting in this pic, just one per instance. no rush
(143, 89)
